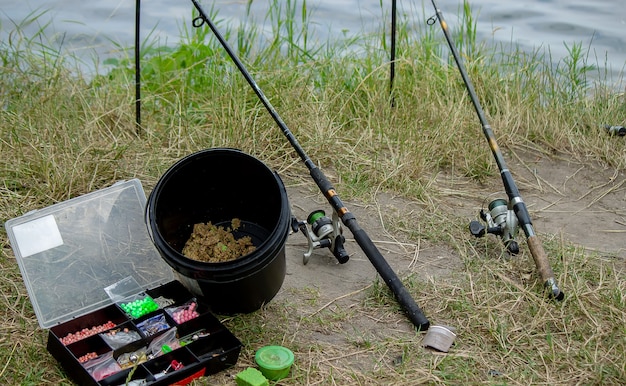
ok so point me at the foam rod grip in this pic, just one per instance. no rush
(412, 310)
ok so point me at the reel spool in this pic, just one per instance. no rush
(501, 221)
(322, 232)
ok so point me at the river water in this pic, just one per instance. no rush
(92, 26)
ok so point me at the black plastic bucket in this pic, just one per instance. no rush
(218, 185)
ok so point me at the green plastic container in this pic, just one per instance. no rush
(274, 361)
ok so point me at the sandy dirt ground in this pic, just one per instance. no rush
(579, 203)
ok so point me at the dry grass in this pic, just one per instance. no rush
(507, 333)
(62, 137)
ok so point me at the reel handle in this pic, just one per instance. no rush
(339, 251)
(477, 229)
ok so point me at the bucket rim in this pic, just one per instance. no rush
(180, 262)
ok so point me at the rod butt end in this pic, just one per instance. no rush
(553, 289)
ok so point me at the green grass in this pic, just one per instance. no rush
(63, 135)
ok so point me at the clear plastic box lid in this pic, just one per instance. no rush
(68, 253)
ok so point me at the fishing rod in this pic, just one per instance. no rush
(137, 67)
(392, 59)
(383, 268)
(515, 204)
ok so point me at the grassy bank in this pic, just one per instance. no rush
(63, 135)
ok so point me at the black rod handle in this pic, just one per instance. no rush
(410, 307)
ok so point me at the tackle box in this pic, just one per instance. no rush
(114, 312)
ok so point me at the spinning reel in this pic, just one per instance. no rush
(501, 221)
(321, 232)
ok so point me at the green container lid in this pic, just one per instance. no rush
(251, 377)
(274, 361)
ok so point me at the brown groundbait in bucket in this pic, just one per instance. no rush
(218, 185)
(216, 243)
